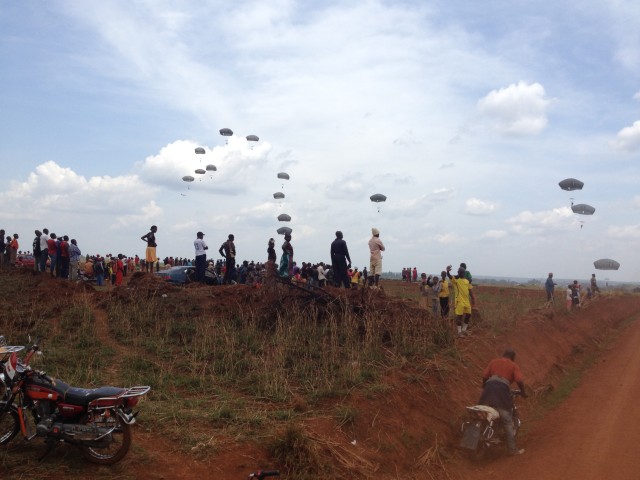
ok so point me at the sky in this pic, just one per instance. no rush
(465, 114)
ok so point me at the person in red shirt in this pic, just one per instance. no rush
(64, 255)
(119, 269)
(496, 380)
(52, 249)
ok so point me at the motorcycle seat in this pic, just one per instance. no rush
(84, 396)
(488, 412)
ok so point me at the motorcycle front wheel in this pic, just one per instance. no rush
(113, 447)
(9, 423)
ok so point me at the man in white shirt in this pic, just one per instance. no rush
(201, 256)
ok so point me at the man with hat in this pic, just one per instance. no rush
(201, 256)
(376, 247)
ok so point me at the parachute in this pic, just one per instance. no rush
(583, 209)
(571, 184)
(283, 217)
(200, 171)
(278, 195)
(200, 151)
(284, 231)
(252, 139)
(283, 176)
(606, 264)
(226, 132)
(188, 179)
(378, 198)
(211, 168)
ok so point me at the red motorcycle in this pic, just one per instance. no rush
(96, 420)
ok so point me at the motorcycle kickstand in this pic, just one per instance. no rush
(51, 444)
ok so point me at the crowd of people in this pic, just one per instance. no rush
(575, 297)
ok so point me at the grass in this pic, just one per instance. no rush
(235, 373)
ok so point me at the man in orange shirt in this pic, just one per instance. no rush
(496, 380)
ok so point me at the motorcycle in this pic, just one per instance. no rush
(483, 430)
(96, 420)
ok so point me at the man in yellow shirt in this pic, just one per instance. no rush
(464, 300)
(443, 295)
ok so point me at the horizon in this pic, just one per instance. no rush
(466, 116)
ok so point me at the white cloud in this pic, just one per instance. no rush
(627, 232)
(475, 206)
(628, 139)
(519, 109)
(494, 234)
(450, 239)
(537, 223)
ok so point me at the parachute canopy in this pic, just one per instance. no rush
(283, 217)
(226, 132)
(583, 209)
(378, 197)
(284, 231)
(606, 264)
(188, 178)
(278, 195)
(252, 138)
(570, 184)
(200, 171)
(211, 168)
(200, 150)
(283, 175)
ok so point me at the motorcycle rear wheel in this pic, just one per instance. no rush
(478, 454)
(118, 446)
(9, 423)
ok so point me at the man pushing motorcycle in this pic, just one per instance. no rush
(496, 380)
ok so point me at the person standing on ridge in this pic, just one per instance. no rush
(549, 287)
(150, 253)
(376, 247)
(464, 300)
(340, 260)
(228, 251)
(201, 256)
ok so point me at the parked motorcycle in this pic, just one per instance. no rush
(483, 429)
(96, 420)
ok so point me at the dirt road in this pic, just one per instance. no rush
(593, 435)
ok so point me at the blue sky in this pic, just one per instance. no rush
(466, 115)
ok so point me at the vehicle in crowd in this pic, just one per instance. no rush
(98, 421)
(25, 260)
(181, 275)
